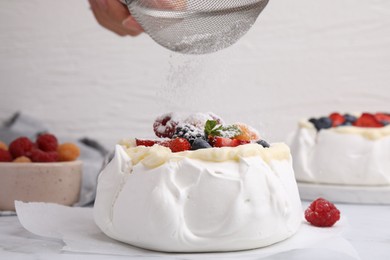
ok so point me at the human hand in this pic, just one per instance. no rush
(114, 16)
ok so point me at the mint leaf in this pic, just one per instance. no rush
(212, 128)
(230, 131)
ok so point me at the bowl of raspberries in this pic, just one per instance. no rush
(40, 170)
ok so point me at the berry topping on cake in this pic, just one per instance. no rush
(384, 118)
(199, 119)
(321, 123)
(200, 131)
(322, 213)
(188, 132)
(21, 146)
(164, 126)
(364, 120)
(349, 119)
(263, 143)
(5, 156)
(177, 145)
(218, 141)
(145, 142)
(367, 120)
(47, 142)
(200, 143)
(248, 133)
(337, 119)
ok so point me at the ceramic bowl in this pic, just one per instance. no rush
(39, 182)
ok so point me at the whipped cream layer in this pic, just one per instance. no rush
(344, 155)
(193, 205)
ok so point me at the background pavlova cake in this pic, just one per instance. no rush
(343, 150)
(202, 186)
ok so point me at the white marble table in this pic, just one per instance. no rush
(368, 231)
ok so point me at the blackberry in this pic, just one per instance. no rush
(188, 132)
(263, 143)
(321, 123)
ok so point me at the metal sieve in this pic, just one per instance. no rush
(195, 26)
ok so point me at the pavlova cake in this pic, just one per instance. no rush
(343, 150)
(201, 186)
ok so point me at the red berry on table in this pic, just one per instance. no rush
(225, 142)
(5, 156)
(367, 120)
(37, 155)
(47, 142)
(322, 213)
(145, 142)
(337, 119)
(21, 146)
(177, 145)
(164, 126)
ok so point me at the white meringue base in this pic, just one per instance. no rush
(342, 156)
(191, 205)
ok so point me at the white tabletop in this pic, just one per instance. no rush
(368, 231)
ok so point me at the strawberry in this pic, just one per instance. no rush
(367, 120)
(337, 119)
(225, 142)
(145, 142)
(177, 145)
(383, 118)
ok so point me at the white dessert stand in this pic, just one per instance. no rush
(345, 194)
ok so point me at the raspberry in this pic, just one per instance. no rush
(177, 145)
(68, 152)
(5, 156)
(22, 159)
(322, 213)
(47, 142)
(37, 155)
(263, 143)
(216, 118)
(3, 146)
(164, 126)
(188, 132)
(21, 146)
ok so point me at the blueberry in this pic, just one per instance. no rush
(350, 118)
(321, 123)
(385, 123)
(263, 143)
(200, 143)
